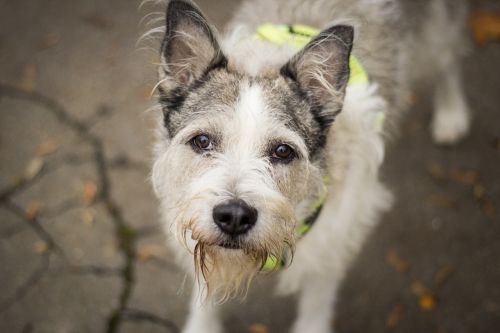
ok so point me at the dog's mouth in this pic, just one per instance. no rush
(230, 245)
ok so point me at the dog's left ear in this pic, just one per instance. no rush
(189, 48)
(321, 69)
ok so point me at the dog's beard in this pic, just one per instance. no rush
(225, 267)
(223, 272)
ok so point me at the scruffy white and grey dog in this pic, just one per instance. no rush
(269, 150)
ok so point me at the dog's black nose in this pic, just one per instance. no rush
(235, 217)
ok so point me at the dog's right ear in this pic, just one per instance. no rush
(189, 49)
(321, 70)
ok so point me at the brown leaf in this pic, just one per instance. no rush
(33, 169)
(427, 302)
(149, 251)
(31, 212)
(40, 247)
(258, 328)
(442, 275)
(426, 299)
(465, 177)
(418, 288)
(488, 208)
(46, 148)
(441, 201)
(394, 316)
(483, 200)
(50, 40)
(485, 26)
(496, 144)
(99, 21)
(89, 192)
(436, 170)
(27, 81)
(478, 191)
(395, 261)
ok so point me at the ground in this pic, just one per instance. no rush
(81, 250)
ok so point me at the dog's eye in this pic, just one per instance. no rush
(284, 152)
(201, 142)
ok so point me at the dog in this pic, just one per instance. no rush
(271, 138)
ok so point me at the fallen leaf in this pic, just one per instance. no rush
(427, 302)
(436, 170)
(478, 191)
(441, 201)
(50, 40)
(31, 212)
(89, 192)
(395, 261)
(27, 81)
(46, 148)
(496, 144)
(485, 26)
(149, 251)
(40, 247)
(442, 275)
(258, 328)
(33, 169)
(99, 21)
(394, 316)
(483, 200)
(488, 208)
(465, 177)
(418, 288)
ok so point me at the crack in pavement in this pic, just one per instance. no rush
(23, 183)
(27, 285)
(91, 270)
(53, 248)
(12, 231)
(63, 207)
(124, 162)
(36, 226)
(125, 235)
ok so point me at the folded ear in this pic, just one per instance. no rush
(321, 68)
(189, 48)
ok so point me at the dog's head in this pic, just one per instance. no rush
(240, 155)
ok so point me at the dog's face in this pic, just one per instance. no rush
(240, 155)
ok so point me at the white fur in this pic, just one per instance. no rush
(451, 117)
(351, 211)
(349, 214)
(356, 197)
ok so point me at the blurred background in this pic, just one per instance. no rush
(80, 246)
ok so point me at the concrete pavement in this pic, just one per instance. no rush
(80, 245)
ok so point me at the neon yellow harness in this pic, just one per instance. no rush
(299, 35)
